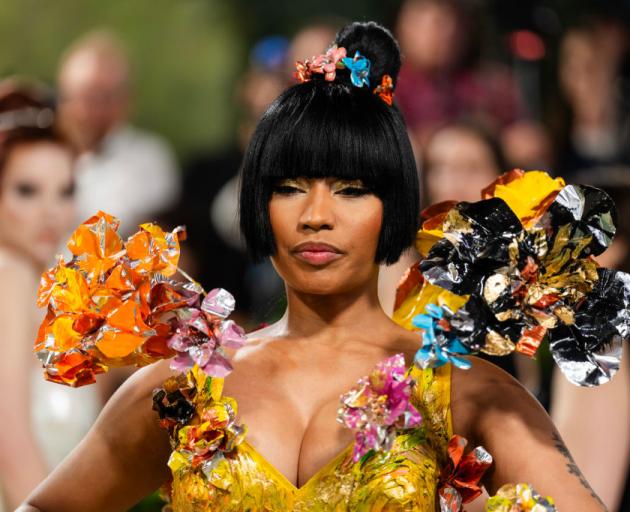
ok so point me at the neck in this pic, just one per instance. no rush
(333, 316)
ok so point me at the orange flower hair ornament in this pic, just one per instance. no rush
(115, 304)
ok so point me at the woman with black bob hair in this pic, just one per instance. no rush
(329, 190)
(323, 129)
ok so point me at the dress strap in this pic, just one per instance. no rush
(432, 397)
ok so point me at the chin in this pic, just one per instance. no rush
(327, 283)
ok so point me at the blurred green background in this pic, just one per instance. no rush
(187, 54)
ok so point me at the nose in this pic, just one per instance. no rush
(318, 211)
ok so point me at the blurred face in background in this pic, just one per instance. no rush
(36, 199)
(308, 42)
(428, 33)
(458, 163)
(94, 97)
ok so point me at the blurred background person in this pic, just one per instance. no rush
(595, 129)
(41, 421)
(459, 160)
(443, 77)
(122, 170)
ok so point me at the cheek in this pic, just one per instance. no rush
(368, 230)
(17, 213)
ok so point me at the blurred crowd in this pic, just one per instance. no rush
(72, 149)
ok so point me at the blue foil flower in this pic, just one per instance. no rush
(439, 346)
(359, 67)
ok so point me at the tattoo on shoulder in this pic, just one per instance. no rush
(572, 466)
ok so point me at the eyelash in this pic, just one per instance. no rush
(346, 191)
(354, 191)
(286, 190)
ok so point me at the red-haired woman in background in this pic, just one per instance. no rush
(36, 210)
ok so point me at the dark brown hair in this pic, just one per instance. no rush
(27, 115)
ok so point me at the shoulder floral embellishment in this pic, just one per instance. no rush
(116, 303)
(460, 478)
(378, 407)
(521, 261)
(201, 421)
(519, 498)
(439, 346)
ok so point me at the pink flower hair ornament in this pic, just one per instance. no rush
(336, 59)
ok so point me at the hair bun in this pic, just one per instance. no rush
(374, 42)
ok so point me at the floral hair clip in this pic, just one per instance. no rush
(336, 59)
(386, 90)
(326, 64)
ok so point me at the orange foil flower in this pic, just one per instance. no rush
(106, 305)
(386, 90)
(460, 479)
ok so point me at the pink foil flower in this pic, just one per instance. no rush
(325, 64)
(202, 333)
(378, 407)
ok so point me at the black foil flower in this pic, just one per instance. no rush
(589, 351)
(526, 281)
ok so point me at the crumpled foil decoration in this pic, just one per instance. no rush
(461, 476)
(326, 64)
(378, 407)
(439, 346)
(519, 498)
(522, 261)
(201, 422)
(114, 304)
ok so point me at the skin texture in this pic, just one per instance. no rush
(334, 332)
(35, 211)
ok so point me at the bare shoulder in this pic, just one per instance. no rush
(260, 359)
(484, 393)
(142, 383)
(482, 377)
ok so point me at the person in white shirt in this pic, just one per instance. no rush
(122, 170)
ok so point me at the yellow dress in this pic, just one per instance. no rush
(404, 478)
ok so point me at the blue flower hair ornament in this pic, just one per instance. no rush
(359, 67)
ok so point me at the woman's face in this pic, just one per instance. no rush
(36, 199)
(326, 233)
(458, 165)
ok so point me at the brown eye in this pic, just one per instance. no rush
(25, 190)
(68, 192)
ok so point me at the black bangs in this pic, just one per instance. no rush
(319, 129)
(337, 134)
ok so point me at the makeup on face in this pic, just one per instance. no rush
(36, 200)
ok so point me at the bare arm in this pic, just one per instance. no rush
(22, 464)
(595, 424)
(121, 460)
(494, 410)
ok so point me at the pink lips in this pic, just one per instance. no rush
(317, 253)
